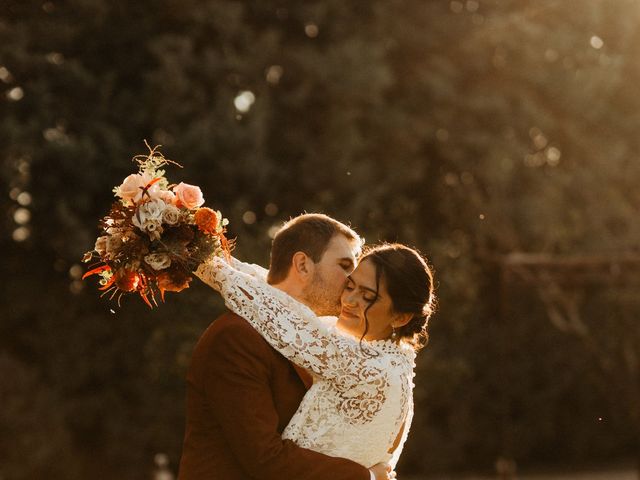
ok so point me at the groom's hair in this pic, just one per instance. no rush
(309, 233)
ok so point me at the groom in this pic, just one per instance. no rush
(241, 393)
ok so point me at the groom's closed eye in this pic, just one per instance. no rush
(347, 265)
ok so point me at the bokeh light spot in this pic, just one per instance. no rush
(473, 5)
(274, 74)
(249, 217)
(456, 6)
(76, 286)
(553, 156)
(5, 75)
(22, 216)
(596, 42)
(23, 198)
(55, 58)
(271, 209)
(15, 94)
(244, 100)
(56, 134)
(451, 179)
(20, 234)
(311, 30)
(75, 271)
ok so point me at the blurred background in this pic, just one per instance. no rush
(500, 137)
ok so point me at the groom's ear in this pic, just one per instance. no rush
(302, 265)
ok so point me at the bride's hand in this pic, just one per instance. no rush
(382, 471)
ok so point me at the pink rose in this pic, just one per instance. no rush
(131, 188)
(188, 196)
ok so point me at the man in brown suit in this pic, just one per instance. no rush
(241, 393)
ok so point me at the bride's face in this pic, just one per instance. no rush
(360, 294)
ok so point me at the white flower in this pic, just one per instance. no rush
(148, 217)
(158, 261)
(153, 209)
(171, 215)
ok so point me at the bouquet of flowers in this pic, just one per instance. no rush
(155, 235)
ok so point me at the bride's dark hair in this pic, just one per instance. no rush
(409, 281)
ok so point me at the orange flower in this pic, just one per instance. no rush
(127, 281)
(206, 220)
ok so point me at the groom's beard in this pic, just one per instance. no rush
(323, 298)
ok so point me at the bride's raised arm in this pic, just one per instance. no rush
(250, 269)
(289, 326)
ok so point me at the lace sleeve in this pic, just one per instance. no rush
(250, 268)
(289, 326)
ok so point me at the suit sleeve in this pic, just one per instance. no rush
(237, 389)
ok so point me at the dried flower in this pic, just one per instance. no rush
(158, 261)
(101, 245)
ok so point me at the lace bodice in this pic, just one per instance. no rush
(361, 398)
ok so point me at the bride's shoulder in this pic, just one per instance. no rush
(390, 349)
(328, 321)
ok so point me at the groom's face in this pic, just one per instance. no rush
(330, 276)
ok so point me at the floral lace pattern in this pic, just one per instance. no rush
(361, 397)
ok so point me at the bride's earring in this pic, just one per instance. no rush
(394, 335)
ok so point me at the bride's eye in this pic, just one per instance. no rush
(369, 298)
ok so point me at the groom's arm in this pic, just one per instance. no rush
(238, 390)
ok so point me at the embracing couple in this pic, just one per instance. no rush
(310, 374)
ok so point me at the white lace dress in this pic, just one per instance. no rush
(360, 402)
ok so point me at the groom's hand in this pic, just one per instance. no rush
(382, 471)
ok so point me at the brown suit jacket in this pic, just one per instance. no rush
(241, 394)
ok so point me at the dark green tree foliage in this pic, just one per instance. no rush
(463, 128)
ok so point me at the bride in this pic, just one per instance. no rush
(360, 405)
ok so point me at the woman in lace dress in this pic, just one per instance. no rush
(360, 405)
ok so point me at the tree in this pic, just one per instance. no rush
(466, 129)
